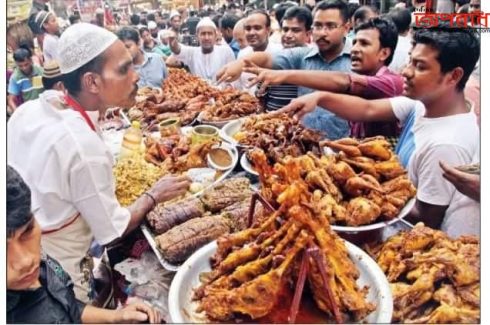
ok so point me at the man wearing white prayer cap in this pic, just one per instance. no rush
(175, 21)
(56, 146)
(206, 60)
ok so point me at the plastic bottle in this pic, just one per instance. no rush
(132, 140)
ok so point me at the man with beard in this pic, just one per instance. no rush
(332, 53)
(203, 61)
(372, 51)
(432, 112)
(150, 66)
(72, 182)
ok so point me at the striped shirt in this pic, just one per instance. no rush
(28, 87)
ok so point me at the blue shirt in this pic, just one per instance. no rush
(309, 58)
(234, 47)
(152, 72)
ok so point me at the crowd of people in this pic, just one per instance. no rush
(340, 68)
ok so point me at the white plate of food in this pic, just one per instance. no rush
(183, 309)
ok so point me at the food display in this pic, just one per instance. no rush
(133, 177)
(181, 227)
(434, 279)
(277, 135)
(231, 104)
(351, 191)
(260, 270)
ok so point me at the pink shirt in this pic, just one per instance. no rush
(385, 84)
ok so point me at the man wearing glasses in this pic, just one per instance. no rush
(332, 53)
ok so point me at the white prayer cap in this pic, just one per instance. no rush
(81, 43)
(99, 11)
(174, 13)
(152, 24)
(205, 22)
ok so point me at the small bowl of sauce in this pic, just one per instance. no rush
(220, 157)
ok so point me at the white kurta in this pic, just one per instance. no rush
(205, 65)
(69, 171)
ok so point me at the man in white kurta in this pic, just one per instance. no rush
(206, 60)
(55, 145)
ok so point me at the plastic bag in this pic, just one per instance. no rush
(149, 281)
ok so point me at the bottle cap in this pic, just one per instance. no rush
(136, 125)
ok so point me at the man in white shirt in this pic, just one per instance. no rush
(49, 25)
(438, 122)
(57, 149)
(206, 60)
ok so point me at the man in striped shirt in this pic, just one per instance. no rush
(26, 81)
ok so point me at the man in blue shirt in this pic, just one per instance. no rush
(332, 53)
(226, 25)
(150, 66)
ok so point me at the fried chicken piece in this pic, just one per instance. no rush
(357, 185)
(377, 148)
(327, 206)
(320, 179)
(349, 150)
(340, 172)
(445, 314)
(390, 169)
(362, 163)
(361, 211)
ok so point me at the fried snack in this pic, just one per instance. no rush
(181, 241)
(231, 104)
(346, 197)
(252, 267)
(166, 216)
(133, 177)
(434, 279)
(278, 135)
(227, 193)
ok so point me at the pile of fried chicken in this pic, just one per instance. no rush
(278, 135)
(231, 104)
(433, 278)
(280, 251)
(353, 190)
(176, 153)
(182, 95)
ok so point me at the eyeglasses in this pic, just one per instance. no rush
(328, 26)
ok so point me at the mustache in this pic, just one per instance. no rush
(322, 39)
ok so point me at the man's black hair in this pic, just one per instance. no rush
(362, 13)
(302, 14)
(352, 8)
(388, 34)
(22, 54)
(128, 34)
(18, 202)
(281, 10)
(456, 47)
(262, 12)
(150, 17)
(402, 19)
(135, 19)
(142, 30)
(73, 19)
(462, 2)
(228, 21)
(48, 83)
(72, 80)
(340, 5)
(216, 19)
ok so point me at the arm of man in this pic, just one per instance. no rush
(173, 43)
(233, 70)
(434, 193)
(12, 103)
(348, 107)
(92, 188)
(137, 312)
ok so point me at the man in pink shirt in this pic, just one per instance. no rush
(372, 51)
